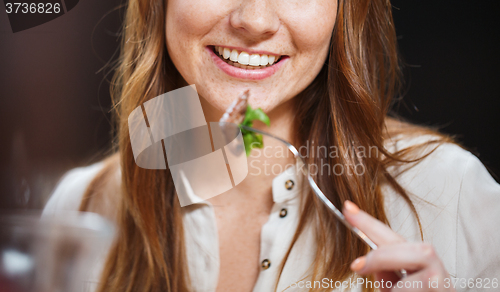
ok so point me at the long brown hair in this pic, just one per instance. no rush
(346, 106)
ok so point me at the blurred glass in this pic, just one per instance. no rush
(52, 253)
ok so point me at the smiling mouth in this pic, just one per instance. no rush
(244, 60)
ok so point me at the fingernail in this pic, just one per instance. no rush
(351, 207)
(358, 264)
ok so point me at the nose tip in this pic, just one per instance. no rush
(256, 17)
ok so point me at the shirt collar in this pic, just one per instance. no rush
(285, 187)
(189, 197)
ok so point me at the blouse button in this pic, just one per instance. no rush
(283, 213)
(289, 184)
(265, 264)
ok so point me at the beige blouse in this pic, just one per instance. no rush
(456, 198)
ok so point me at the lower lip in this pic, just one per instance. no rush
(250, 74)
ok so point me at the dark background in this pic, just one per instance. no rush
(452, 49)
(54, 98)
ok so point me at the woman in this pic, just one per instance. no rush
(333, 73)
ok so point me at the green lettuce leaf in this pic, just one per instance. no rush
(252, 139)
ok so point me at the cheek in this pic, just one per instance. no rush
(187, 22)
(311, 25)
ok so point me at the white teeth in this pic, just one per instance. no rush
(245, 60)
(234, 56)
(264, 59)
(271, 60)
(226, 53)
(254, 60)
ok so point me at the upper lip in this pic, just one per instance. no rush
(249, 51)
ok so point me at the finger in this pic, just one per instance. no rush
(408, 256)
(377, 231)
